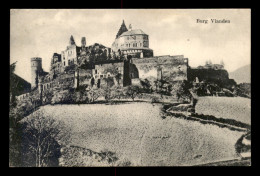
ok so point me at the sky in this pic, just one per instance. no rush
(41, 32)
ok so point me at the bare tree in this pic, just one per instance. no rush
(42, 136)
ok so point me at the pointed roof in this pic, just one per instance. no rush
(122, 29)
(72, 41)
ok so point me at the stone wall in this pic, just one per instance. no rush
(23, 96)
(169, 68)
(219, 77)
(85, 76)
(103, 71)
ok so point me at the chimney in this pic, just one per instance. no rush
(130, 27)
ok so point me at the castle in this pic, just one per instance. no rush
(127, 62)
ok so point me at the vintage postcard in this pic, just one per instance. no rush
(130, 87)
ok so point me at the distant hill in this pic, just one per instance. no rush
(241, 75)
(18, 85)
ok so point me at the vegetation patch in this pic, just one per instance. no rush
(240, 146)
(74, 156)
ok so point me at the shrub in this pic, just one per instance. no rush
(94, 94)
(62, 97)
(240, 147)
(155, 100)
(80, 97)
(109, 156)
(47, 96)
(132, 91)
(124, 162)
(118, 92)
(107, 93)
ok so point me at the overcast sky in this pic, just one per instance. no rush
(40, 33)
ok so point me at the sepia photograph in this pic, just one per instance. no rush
(130, 87)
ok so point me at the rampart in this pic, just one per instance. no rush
(169, 68)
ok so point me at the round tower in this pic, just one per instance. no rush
(36, 69)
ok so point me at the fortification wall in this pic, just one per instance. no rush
(169, 68)
(109, 70)
(220, 77)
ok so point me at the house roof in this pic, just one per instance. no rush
(134, 32)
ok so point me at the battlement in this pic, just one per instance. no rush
(36, 59)
(178, 59)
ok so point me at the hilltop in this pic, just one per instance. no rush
(241, 75)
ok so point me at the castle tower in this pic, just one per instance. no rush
(36, 69)
(83, 42)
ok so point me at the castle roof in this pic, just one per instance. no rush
(133, 32)
(122, 29)
(135, 48)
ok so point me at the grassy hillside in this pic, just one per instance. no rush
(137, 133)
(237, 108)
(241, 75)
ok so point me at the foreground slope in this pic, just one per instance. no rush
(137, 133)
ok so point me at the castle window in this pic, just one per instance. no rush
(95, 71)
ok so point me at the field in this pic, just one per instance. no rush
(236, 108)
(137, 133)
